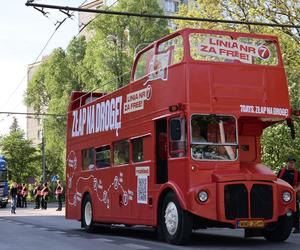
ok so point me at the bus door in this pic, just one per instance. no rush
(121, 181)
(161, 141)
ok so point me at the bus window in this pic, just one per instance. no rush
(138, 150)
(266, 50)
(121, 152)
(3, 175)
(200, 50)
(213, 137)
(143, 63)
(87, 159)
(220, 48)
(177, 137)
(103, 157)
(174, 46)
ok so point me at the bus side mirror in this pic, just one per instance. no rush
(290, 124)
(175, 129)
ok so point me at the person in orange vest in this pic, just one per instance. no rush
(37, 192)
(24, 194)
(292, 176)
(44, 195)
(58, 193)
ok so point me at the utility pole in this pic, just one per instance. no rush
(43, 159)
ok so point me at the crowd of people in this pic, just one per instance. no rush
(40, 193)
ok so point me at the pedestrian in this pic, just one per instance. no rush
(24, 195)
(44, 195)
(292, 176)
(37, 194)
(19, 195)
(13, 195)
(58, 193)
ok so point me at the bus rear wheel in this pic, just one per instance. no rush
(87, 214)
(280, 230)
(176, 224)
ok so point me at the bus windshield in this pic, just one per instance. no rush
(3, 175)
(213, 137)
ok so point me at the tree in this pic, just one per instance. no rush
(276, 140)
(22, 158)
(110, 52)
(100, 63)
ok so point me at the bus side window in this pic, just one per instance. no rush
(142, 66)
(103, 157)
(121, 152)
(177, 137)
(138, 149)
(88, 159)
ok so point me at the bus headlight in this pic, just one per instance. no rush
(286, 196)
(203, 196)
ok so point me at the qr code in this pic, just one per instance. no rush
(142, 189)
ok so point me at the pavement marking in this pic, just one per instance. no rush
(135, 246)
(59, 232)
(103, 239)
(42, 228)
(28, 225)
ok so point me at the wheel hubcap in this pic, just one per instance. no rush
(88, 213)
(171, 218)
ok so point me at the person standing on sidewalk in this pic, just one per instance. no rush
(45, 194)
(291, 175)
(58, 194)
(13, 195)
(24, 195)
(37, 194)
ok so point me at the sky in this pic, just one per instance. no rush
(24, 32)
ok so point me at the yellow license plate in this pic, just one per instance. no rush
(250, 223)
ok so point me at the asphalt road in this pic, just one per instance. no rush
(32, 229)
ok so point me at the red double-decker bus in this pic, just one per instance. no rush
(179, 147)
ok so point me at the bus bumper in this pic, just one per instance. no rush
(242, 204)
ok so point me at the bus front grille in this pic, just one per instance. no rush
(261, 197)
(236, 201)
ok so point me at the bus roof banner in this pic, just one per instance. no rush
(233, 49)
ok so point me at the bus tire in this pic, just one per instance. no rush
(280, 230)
(87, 214)
(175, 223)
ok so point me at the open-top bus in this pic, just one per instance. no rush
(179, 147)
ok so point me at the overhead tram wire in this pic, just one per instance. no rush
(132, 14)
(41, 114)
(89, 22)
(37, 58)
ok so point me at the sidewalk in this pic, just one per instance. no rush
(30, 211)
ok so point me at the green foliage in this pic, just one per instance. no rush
(276, 140)
(110, 52)
(102, 63)
(22, 158)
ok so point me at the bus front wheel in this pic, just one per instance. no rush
(280, 230)
(176, 224)
(87, 214)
